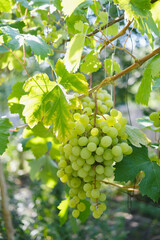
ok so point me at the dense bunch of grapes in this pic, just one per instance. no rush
(98, 141)
(155, 117)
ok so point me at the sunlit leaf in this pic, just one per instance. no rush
(136, 136)
(5, 125)
(63, 207)
(69, 6)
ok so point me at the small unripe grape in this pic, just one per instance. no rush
(76, 116)
(86, 167)
(96, 215)
(81, 207)
(109, 103)
(80, 129)
(73, 141)
(64, 178)
(82, 141)
(106, 141)
(60, 173)
(99, 169)
(154, 116)
(105, 129)
(68, 169)
(114, 113)
(108, 171)
(103, 109)
(95, 193)
(81, 195)
(91, 147)
(85, 153)
(112, 132)
(98, 158)
(93, 207)
(90, 160)
(94, 139)
(130, 150)
(122, 121)
(92, 105)
(75, 182)
(75, 166)
(84, 119)
(82, 173)
(116, 151)
(76, 151)
(72, 158)
(94, 131)
(87, 111)
(80, 162)
(100, 151)
(62, 164)
(102, 197)
(108, 154)
(87, 187)
(67, 148)
(75, 213)
(72, 203)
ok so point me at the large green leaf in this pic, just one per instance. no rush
(63, 207)
(5, 125)
(155, 12)
(77, 82)
(152, 71)
(91, 64)
(5, 5)
(14, 99)
(136, 136)
(46, 102)
(69, 5)
(45, 170)
(131, 165)
(74, 52)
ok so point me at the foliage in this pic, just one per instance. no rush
(67, 41)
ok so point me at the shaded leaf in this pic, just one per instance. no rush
(111, 66)
(85, 214)
(131, 165)
(5, 125)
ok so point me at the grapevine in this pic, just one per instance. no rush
(97, 142)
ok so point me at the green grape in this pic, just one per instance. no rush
(64, 178)
(95, 193)
(100, 177)
(130, 150)
(81, 207)
(88, 127)
(67, 148)
(106, 141)
(80, 162)
(72, 203)
(88, 194)
(119, 158)
(62, 164)
(88, 179)
(87, 187)
(75, 213)
(93, 208)
(73, 141)
(103, 109)
(98, 158)
(75, 182)
(100, 151)
(116, 151)
(156, 123)
(76, 116)
(108, 162)
(73, 192)
(72, 158)
(103, 124)
(113, 133)
(108, 171)
(105, 129)
(86, 167)
(76, 151)
(91, 173)
(124, 146)
(111, 121)
(96, 214)
(94, 139)
(81, 195)
(102, 207)
(92, 105)
(91, 147)
(117, 126)
(75, 166)
(99, 103)
(82, 173)
(85, 153)
(82, 141)
(154, 116)
(76, 199)
(68, 169)
(87, 111)
(108, 154)
(122, 121)
(94, 131)
(80, 129)
(90, 160)
(114, 113)
(100, 96)
(60, 173)
(102, 197)
(109, 103)
(99, 169)
(84, 119)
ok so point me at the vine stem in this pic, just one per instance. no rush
(136, 189)
(16, 58)
(5, 206)
(136, 65)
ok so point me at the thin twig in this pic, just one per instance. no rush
(118, 19)
(5, 206)
(135, 189)
(17, 58)
(128, 36)
(136, 65)
(19, 127)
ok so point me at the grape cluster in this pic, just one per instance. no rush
(155, 117)
(98, 141)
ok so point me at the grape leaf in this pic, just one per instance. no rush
(5, 125)
(14, 99)
(63, 214)
(152, 71)
(46, 102)
(155, 10)
(136, 136)
(5, 5)
(133, 164)
(37, 44)
(69, 6)
(45, 170)
(111, 66)
(84, 215)
(77, 82)
(74, 51)
(91, 64)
